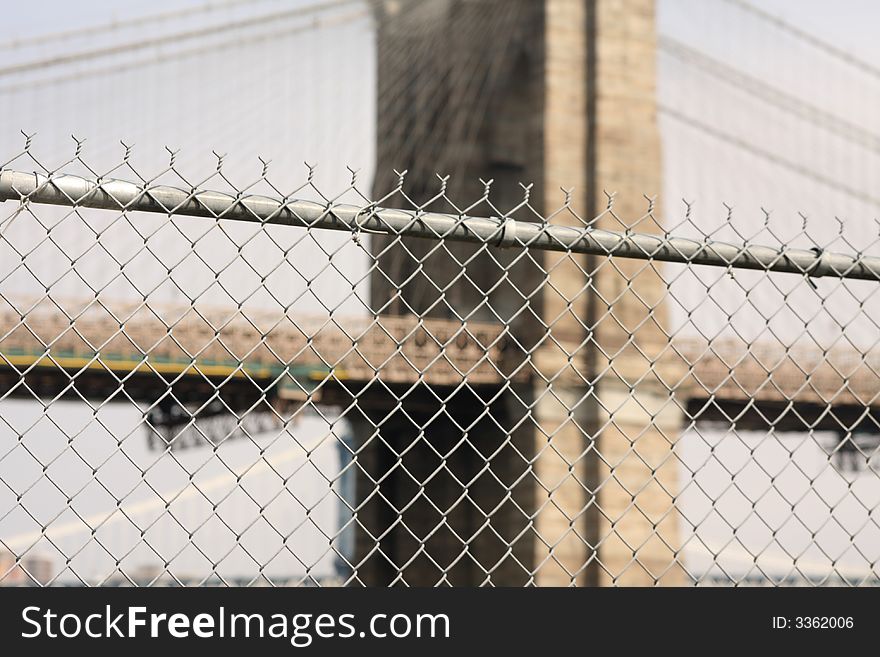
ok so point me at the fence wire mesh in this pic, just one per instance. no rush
(205, 381)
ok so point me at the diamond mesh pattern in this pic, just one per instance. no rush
(217, 381)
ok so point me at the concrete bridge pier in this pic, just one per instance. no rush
(572, 479)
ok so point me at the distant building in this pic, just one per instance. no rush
(33, 570)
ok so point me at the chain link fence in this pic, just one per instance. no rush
(208, 381)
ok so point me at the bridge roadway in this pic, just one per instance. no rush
(139, 353)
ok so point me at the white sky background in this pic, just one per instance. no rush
(707, 171)
(310, 97)
(302, 97)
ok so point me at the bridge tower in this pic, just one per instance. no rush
(551, 486)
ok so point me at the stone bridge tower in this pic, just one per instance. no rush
(572, 482)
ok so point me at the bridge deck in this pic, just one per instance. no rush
(231, 344)
(296, 354)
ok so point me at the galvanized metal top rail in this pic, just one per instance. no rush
(119, 195)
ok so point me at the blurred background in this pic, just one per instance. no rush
(768, 123)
